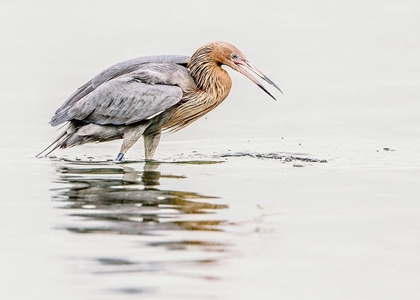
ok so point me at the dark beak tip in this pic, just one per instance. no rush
(257, 72)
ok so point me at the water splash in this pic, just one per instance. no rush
(279, 156)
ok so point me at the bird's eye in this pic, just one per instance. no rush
(234, 56)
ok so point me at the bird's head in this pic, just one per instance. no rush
(229, 55)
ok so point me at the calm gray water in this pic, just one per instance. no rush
(313, 196)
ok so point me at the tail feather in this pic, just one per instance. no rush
(60, 141)
(79, 133)
(50, 145)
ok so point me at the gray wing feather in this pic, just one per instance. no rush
(124, 101)
(112, 72)
(132, 64)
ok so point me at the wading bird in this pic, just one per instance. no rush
(147, 95)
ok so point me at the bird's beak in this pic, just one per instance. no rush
(243, 65)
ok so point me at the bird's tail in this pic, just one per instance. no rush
(55, 145)
(79, 133)
(58, 142)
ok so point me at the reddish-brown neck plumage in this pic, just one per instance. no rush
(213, 84)
(205, 67)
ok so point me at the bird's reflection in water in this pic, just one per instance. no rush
(127, 201)
(151, 231)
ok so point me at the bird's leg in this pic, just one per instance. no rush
(119, 156)
(151, 142)
(131, 135)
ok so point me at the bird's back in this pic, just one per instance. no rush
(115, 71)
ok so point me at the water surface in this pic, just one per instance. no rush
(313, 196)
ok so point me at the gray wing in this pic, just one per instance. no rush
(124, 101)
(110, 73)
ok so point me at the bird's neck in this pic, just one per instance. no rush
(213, 86)
(209, 76)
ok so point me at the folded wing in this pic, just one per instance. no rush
(128, 92)
(124, 101)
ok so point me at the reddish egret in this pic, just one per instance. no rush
(146, 95)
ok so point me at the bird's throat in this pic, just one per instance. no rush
(213, 86)
(210, 92)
